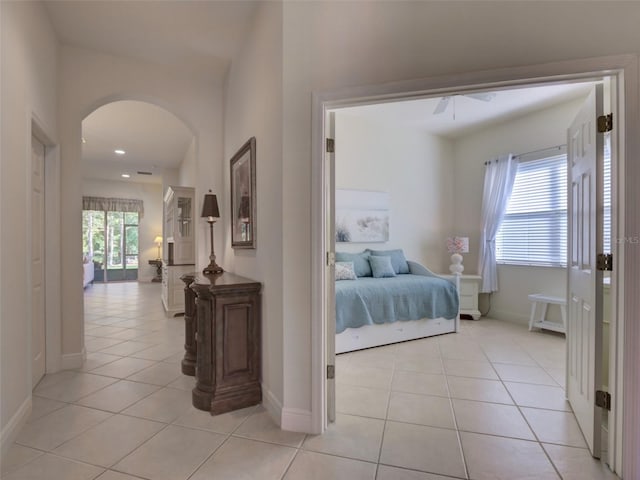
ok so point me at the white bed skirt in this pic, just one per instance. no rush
(369, 336)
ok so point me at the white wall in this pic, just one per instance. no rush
(415, 168)
(253, 107)
(28, 91)
(150, 224)
(330, 45)
(188, 170)
(88, 80)
(542, 129)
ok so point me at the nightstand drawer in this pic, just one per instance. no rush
(468, 302)
(468, 288)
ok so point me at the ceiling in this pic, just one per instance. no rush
(153, 139)
(200, 38)
(470, 114)
(197, 37)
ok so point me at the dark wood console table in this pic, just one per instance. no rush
(158, 264)
(228, 317)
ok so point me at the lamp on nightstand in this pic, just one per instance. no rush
(456, 246)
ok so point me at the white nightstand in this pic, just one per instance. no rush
(469, 288)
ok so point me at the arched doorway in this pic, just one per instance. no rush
(131, 150)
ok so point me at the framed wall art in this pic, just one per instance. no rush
(243, 196)
(362, 216)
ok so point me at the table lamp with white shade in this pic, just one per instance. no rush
(158, 242)
(456, 246)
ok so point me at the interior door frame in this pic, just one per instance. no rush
(34, 322)
(52, 233)
(626, 336)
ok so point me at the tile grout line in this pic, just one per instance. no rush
(453, 413)
(535, 434)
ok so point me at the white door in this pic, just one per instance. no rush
(37, 263)
(584, 293)
(330, 264)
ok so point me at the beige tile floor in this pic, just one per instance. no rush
(487, 403)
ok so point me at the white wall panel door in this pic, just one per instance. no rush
(584, 302)
(37, 263)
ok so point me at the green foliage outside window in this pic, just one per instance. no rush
(108, 246)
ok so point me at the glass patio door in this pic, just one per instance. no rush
(110, 240)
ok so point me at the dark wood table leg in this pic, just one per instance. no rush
(205, 381)
(190, 327)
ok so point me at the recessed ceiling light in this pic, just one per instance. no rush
(125, 175)
(120, 152)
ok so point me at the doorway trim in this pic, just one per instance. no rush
(623, 68)
(52, 302)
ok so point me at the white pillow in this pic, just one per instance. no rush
(345, 271)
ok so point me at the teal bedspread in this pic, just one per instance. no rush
(369, 300)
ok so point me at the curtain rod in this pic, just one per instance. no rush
(555, 147)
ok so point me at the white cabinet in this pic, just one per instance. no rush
(180, 245)
(173, 287)
(469, 288)
(179, 208)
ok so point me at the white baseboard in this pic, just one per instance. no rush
(71, 361)
(290, 419)
(272, 405)
(12, 428)
(296, 420)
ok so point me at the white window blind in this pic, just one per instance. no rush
(534, 228)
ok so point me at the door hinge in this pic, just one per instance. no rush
(331, 145)
(603, 399)
(604, 262)
(331, 372)
(331, 259)
(605, 123)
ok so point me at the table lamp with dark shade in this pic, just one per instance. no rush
(210, 211)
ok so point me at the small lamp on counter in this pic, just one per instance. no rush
(456, 246)
(158, 242)
(210, 211)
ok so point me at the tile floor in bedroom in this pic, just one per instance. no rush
(486, 403)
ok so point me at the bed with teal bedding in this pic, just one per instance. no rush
(369, 300)
(387, 300)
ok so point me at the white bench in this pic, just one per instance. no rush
(539, 304)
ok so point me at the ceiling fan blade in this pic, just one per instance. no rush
(484, 96)
(442, 105)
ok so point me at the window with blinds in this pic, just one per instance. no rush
(534, 228)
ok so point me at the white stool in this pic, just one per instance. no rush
(539, 304)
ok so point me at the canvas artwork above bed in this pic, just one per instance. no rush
(362, 216)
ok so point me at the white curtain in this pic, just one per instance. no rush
(498, 183)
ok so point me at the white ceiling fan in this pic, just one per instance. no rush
(444, 101)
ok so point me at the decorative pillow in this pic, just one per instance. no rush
(344, 271)
(381, 266)
(360, 262)
(398, 259)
